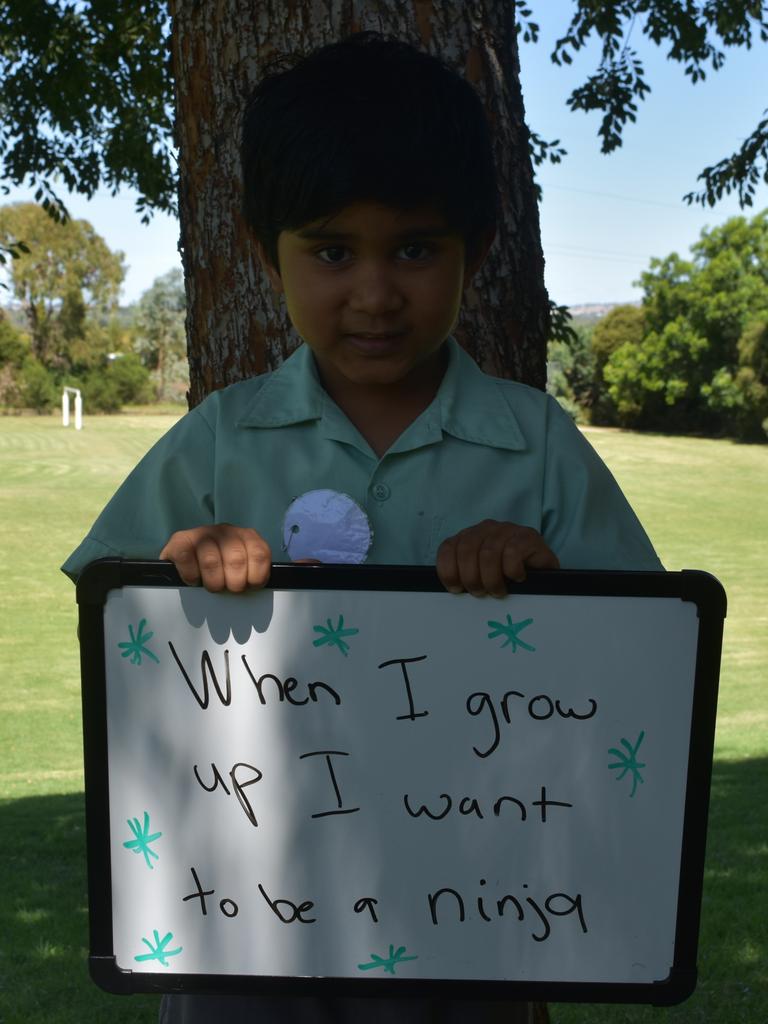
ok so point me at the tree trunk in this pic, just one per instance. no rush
(234, 328)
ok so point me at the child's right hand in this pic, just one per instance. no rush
(221, 557)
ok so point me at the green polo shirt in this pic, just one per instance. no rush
(484, 449)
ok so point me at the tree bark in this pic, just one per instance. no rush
(234, 327)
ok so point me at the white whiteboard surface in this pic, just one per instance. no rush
(557, 858)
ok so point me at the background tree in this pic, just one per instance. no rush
(701, 364)
(67, 285)
(622, 325)
(14, 349)
(66, 288)
(121, 379)
(160, 337)
(740, 393)
(14, 345)
(571, 372)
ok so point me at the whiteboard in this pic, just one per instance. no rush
(399, 787)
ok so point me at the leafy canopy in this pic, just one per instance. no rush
(693, 358)
(86, 99)
(87, 90)
(697, 34)
(622, 324)
(160, 336)
(67, 284)
(702, 362)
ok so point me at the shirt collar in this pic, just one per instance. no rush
(469, 405)
(291, 394)
(475, 407)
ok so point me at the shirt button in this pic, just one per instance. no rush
(381, 492)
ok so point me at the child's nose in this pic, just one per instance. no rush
(375, 290)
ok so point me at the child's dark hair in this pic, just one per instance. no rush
(368, 118)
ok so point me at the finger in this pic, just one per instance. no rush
(211, 561)
(259, 558)
(244, 559)
(447, 568)
(234, 560)
(181, 549)
(468, 545)
(526, 549)
(490, 559)
(543, 558)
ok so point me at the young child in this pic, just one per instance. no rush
(370, 189)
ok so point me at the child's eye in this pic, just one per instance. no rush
(415, 251)
(332, 254)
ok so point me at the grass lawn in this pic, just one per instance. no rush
(705, 506)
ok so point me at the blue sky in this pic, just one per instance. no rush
(602, 217)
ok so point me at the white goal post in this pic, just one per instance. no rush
(78, 407)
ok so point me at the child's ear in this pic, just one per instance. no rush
(269, 269)
(476, 260)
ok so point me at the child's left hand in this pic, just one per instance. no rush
(483, 557)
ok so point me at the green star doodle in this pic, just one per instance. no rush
(333, 635)
(628, 761)
(158, 951)
(136, 648)
(142, 839)
(388, 963)
(510, 631)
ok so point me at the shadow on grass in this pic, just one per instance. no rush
(733, 941)
(44, 920)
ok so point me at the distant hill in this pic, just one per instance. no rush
(591, 312)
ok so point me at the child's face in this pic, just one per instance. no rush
(374, 291)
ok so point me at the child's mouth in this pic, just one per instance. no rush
(378, 342)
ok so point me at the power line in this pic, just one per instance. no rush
(587, 256)
(614, 195)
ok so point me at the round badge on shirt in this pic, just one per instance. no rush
(328, 526)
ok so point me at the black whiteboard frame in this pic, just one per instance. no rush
(104, 575)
